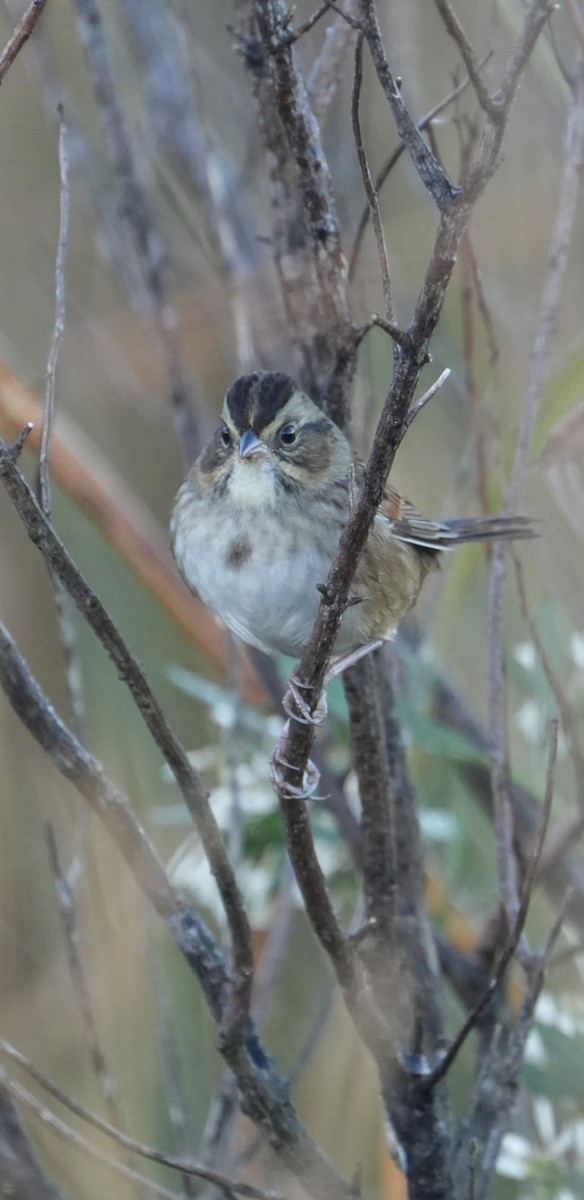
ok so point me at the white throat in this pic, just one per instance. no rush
(252, 484)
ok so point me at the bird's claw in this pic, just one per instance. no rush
(311, 775)
(297, 708)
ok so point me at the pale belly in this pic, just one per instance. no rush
(270, 599)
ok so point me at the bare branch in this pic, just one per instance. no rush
(499, 750)
(21, 35)
(422, 402)
(306, 26)
(495, 1092)
(59, 325)
(188, 780)
(577, 21)
(185, 1165)
(491, 104)
(327, 69)
(67, 632)
(514, 937)
(307, 243)
(263, 1093)
(569, 723)
(540, 362)
(431, 173)
(136, 212)
(72, 1138)
(425, 122)
(67, 890)
(372, 198)
(390, 430)
(22, 1175)
(389, 327)
(174, 117)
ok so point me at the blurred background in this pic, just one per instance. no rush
(186, 100)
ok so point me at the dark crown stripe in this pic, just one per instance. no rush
(255, 400)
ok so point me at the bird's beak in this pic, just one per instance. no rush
(250, 444)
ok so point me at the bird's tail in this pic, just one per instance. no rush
(446, 535)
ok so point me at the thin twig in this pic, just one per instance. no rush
(423, 124)
(59, 325)
(569, 723)
(306, 26)
(66, 623)
(66, 888)
(221, 1125)
(135, 210)
(171, 1060)
(471, 293)
(492, 105)
(328, 68)
(372, 197)
(431, 173)
(270, 964)
(540, 362)
(21, 35)
(307, 1051)
(497, 1095)
(540, 365)
(422, 402)
(578, 21)
(186, 1166)
(174, 116)
(514, 938)
(72, 1138)
(389, 327)
(499, 749)
(312, 267)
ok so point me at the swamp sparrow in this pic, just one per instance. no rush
(256, 524)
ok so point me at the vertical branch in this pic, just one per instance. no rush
(134, 206)
(471, 292)
(306, 236)
(66, 888)
(540, 363)
(175, 118)
(22, 1175)
(370, 190)
(59, 325)
(431, 173)
(67, 632)
(378, 849)
(327, 70)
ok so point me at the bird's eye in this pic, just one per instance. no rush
(288, 434)
(225, 436)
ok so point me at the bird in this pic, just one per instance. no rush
(256, 525)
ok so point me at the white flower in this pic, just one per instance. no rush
(514, 1158)
(577, 650)
(525, 655)
(528, 719)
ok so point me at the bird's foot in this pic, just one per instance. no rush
(297, 707)
(310, 778)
